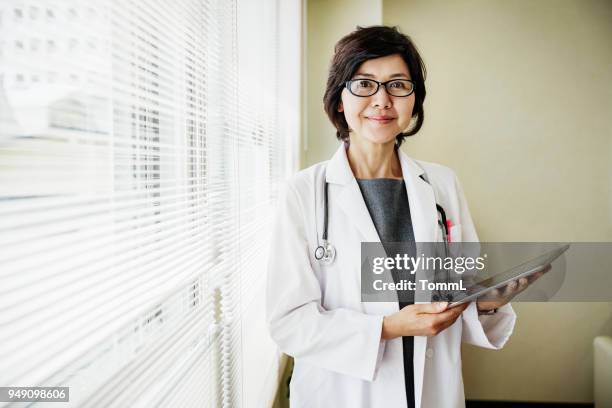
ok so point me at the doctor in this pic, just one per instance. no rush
(350, 353)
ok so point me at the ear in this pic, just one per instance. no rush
(340, 107)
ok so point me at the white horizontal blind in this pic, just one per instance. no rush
(261, 149)
(134, 180)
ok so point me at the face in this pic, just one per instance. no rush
(380, 117)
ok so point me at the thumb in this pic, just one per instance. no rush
(435, 307)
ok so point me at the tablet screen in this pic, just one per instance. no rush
(525, 269)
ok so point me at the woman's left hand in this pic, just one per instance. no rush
(500, 296)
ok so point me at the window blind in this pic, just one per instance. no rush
(142, 144)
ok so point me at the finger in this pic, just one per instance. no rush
(510, 288)
(447, 318)
(493, 294)
(535, 276)
(463, 307)
(539, 274)
(435, 307)
(523, 283)
(451, 313)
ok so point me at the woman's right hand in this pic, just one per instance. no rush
(426, 319)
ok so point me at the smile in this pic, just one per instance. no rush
(381, 120)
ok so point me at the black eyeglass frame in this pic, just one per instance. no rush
(348, 83)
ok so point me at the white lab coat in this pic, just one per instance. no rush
(314, 311)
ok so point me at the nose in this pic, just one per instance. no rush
(381, 98)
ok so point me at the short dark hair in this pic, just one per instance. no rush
(367, 43)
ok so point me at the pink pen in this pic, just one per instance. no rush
(449, 224)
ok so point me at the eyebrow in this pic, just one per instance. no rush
(398, 75)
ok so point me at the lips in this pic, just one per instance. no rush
(380, 119)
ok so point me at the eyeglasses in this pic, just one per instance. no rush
(368, 87)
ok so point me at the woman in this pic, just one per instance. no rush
(350, 353)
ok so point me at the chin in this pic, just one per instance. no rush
(381, 139)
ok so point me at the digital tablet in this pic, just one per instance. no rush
(520, 271)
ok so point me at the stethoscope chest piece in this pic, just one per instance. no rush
(325, 253)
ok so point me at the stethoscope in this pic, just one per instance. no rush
(443, 225)
(326, 252)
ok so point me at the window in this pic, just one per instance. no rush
(135, 198)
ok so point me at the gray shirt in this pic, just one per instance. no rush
(387, 203)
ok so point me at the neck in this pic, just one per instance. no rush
(373, 160)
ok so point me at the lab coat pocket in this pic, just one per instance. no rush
(305, 382)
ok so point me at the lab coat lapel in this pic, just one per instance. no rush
(421, 200)
(420, 197)
(424, 223)
(349, 197)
